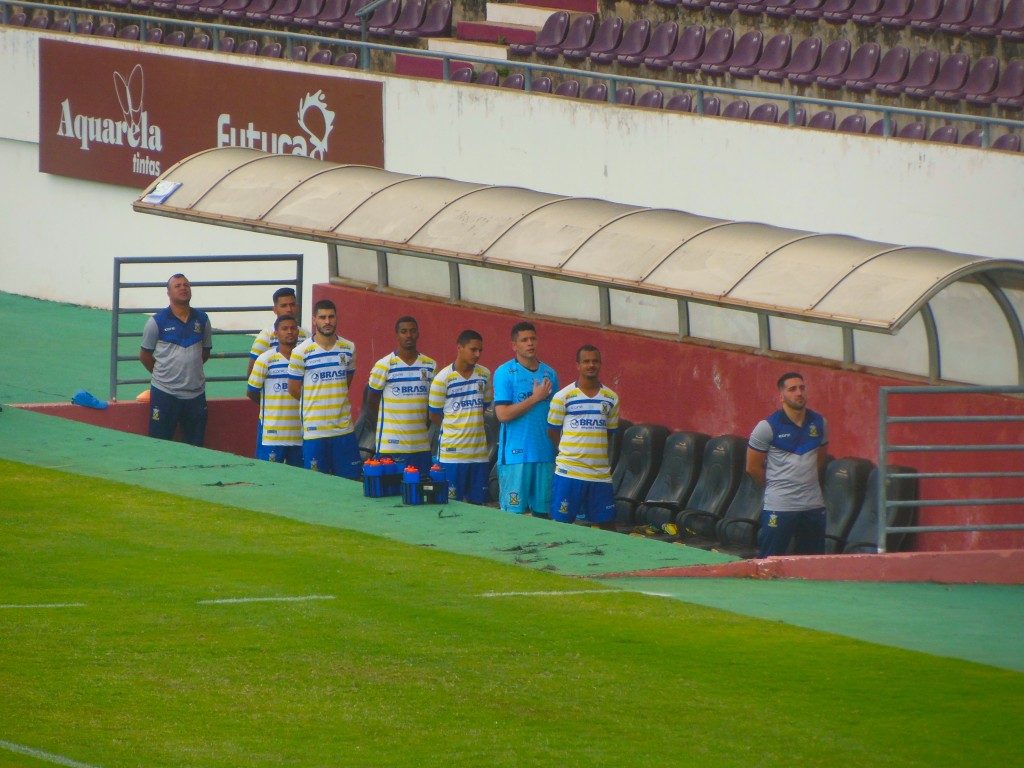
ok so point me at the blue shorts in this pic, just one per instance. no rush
(467, 482)
(280, 454)
(333, 456)
(806, 529)
(422, 460)
(591, 499)
(526, 487)
(166, 412)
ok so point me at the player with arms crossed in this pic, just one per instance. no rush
(319, 373)
(580, 420)
(459, 395)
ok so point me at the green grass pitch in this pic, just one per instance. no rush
(409, 664)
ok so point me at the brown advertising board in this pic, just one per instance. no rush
(123, 116)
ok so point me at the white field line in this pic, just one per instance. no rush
(236, 600)
(553, 593)
(38, 754)
(44, 605)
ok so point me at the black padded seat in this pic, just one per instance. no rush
(738, 527)
(638, 465)
(680, 468)
(723, 469)
(615, 443)
(863, 536)
(366, 434)
(846, 483)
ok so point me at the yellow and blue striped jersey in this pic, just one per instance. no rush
(585, 422)
(461, 401)
(402, 416)
(279, 411)
(326, 411)
(267, 339)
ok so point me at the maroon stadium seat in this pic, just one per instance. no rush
(688, 47)
(606, 38)
(775, 55)
(805, 58)
(717, 50)
(551, 34)
(663, 42)
(745, 55)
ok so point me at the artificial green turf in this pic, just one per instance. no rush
(410, 665)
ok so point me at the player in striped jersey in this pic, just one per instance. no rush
(459, 395)
(285, 305)
(319, 373)
(397, 399)
(580, 419)
(279, 438)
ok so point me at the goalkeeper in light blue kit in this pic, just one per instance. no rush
(580, 420)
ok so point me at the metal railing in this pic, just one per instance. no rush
(885, 448)
(116, 332)
(529, 69)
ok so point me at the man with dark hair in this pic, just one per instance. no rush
(580, 420)
(459, 395)
(285, 305)
(279, 434)
(786, 454)
(397, 399)
(320, 371)
(176, 342)
(526, 458)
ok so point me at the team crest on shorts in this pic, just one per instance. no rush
(513, 499)
(451, 491)
(563, 508)
(156, 414)
(773, 520)
(314, 465)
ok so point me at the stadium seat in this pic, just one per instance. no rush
(892, 69)
(606, 38)
(488, 77)
(721, 471)
(952, 76)
(779, 9)
(461, 75)
(283, 11)
(915, 130)
(863, 65)
(154, 34)
(984, 15)
(982, 80)
(711, 107)
(745, 54)
(765, 113)
(351, 22)
(681, 102)
(208, 7)
(738, 526)
(945, 134)
(1010, 85)
(842, 11)
(258, 10)
(805, 58)
(83, 27)
(552, 34)
(693, 5)
(1009, 142)
(717, 50)
(653, 99)
(922, 73)
(954, 12)
(299, 53)
(106, 29)
(845, 485)
(177, 39)
(973, 138)
(662, 43)
(199, 42)
(226, 44)
(516, 81)
(638, 465)
(751, 7)
(799, 117)
(595, 92)
(1011, 23)
(568, 88)
(330, 16)
(614, 441)
(833, 62)
(128, 32)
(863, 535)
(852, 124)
(437, 22)
(920, 11)
(625, 96)
(737, 110)
(411, 17)
(541, 84)
(878, 127)
(680, 468)
(634, 41)
(774, 55)
(41, 21)
(234, 9)
(723, 6)
(305, 15)
(577, 38)
(61, 25)
(385, 17)
(667, 3)
(19, 19)
(140, 5)
(248, 48)
(889, 9)
(824, 120)
(809, 10)
(689, 46)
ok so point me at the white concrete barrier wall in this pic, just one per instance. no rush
(61, 235)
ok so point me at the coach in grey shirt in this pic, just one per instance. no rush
(786, 454)
(175, 343)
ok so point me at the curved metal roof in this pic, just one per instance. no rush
(827, 278)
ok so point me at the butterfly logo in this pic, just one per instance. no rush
(129, 94)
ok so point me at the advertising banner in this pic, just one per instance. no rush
(124, 117)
